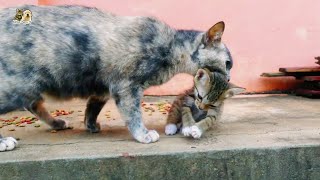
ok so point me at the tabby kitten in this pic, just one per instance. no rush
(19, 13)
(197, 112)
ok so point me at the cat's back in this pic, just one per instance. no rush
(64, 37)
(49, 13)
(55, 23)
(55, 17)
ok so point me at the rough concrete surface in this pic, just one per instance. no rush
(258, 137)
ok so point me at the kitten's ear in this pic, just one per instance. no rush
(17, 10)
(233, 90)
(214, 34)
(202, 76)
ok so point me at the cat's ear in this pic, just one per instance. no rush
(233, 90)
(19, 10)
(214, 34)
(202, 76)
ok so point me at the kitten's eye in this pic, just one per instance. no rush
(199, 97)
(212, 106)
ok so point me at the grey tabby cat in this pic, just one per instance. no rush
(76, 51)
(197, 112)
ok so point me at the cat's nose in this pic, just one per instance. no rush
(201, 106)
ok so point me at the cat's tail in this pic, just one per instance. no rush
(8, 108)
(8, 105)
(12, 101)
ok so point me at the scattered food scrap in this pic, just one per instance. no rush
(53, 131)
(27, 120)
(162, 107)
(60, 113)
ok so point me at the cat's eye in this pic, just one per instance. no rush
(212, 106)
(228, 65)
(199, 97)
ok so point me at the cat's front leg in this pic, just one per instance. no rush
(128, 103)
(187, 121)
(196, 132)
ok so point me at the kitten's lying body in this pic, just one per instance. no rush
(200, 108)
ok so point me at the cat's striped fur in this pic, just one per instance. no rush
(76, 51)
(198, 109)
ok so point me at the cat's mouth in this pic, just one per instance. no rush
(202, 107)
(205, 107)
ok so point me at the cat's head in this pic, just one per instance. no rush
(19, 14)
(212, 53)
(212, 88)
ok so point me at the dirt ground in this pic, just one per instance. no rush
(248, 121)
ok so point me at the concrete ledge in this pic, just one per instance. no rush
(284, 163)
(259, 137)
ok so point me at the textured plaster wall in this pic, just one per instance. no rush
(262, 35)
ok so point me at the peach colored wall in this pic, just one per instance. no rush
(11, 3)
(262, 35)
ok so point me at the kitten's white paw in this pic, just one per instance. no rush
(171, 129)
(195, 132)
(186, 131)
(150, 137)
(7, 144)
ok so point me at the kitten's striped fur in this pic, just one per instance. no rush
(196, 112)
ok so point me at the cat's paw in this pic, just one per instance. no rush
(93, 128)
(60, 124)
(16, 22)
(186, 131)
(171, 129)
(7, 144)
(149, 137)
(195, 132)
